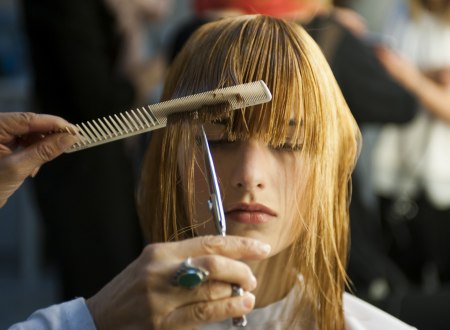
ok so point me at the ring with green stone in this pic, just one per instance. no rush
(190, 276)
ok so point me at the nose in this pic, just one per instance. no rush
(248, 168)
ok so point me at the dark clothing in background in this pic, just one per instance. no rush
(371, 93)
(86, 198)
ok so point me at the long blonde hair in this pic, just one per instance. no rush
(244, 49)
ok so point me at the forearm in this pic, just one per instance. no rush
(435, 98)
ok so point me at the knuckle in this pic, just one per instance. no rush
(214, 290)
(247, 245)
(213, 264)
(26, 117)
(212, 244)
(202, 312)
(46, 152)
(229, 307)
(153, 252)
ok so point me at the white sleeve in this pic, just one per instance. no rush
(360, 315)
(71, 315)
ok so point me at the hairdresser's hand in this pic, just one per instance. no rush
(431, 89)
(399, 67)
(440, 76)
(143, 296)
(24, 147)
(353, 21)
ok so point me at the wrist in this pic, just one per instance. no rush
(96, 316)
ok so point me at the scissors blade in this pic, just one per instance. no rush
(215, 199)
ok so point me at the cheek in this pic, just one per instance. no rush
(292, 192)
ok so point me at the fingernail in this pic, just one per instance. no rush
(253, 282)
(248, 300)
(265, 248)
(35, 172)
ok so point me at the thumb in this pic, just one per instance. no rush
(16, 167)
(43, 151)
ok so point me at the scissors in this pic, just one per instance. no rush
(216, 207)
(215, 199)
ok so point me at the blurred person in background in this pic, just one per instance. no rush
(411, 163)
(86, 64)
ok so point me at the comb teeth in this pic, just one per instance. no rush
(119, 126)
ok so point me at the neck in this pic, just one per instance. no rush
(275, 280)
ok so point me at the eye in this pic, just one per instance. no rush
(216, 143)
(288, 147)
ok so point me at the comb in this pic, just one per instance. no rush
(125, 124)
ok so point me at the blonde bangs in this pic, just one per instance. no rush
(252, 52)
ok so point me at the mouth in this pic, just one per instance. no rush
(250, 213)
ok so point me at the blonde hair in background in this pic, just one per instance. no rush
(417, 7)
(244, 49)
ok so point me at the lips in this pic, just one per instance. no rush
(250, 213)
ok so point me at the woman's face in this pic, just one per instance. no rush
(260, 187)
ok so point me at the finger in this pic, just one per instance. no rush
(13, 124)
(29, 139)
(195, 315)
(35, 155)
(234, 247)
(227, 270)
(208, 291)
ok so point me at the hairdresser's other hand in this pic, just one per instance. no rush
(25, 147)
(353, 21)
(143, 296)
(440, 76)
(400, 68)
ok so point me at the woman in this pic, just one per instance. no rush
(372, 95)
(284, 169)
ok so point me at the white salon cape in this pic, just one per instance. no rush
(359, 315)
